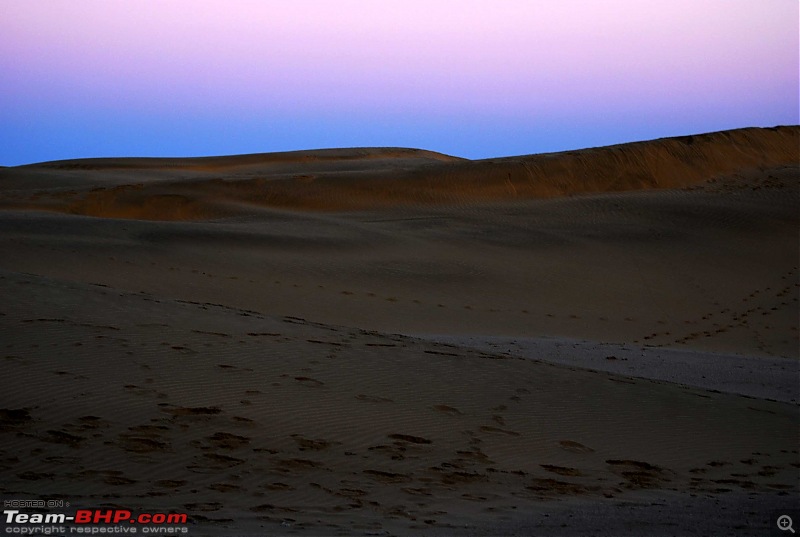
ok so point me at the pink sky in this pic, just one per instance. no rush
(671, 66)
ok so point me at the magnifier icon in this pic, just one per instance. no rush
(785, 523)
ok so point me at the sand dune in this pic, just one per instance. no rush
(368, 178)
(255, 160)
(397, 342)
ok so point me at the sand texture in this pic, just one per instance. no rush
(385, 341)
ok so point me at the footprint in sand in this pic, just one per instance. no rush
(445, 409)
(561, 470)
(118, 480)
(193, 411)
(388, 477)
(441, 353)
(294, 465)
(223, 440)
(60, 437)
(138, 444)
(14, 418)
(546, 487)
(308, 381)
(205, 507)
(459, 477)
(264, 334)
(489, 429)
(223, 487)
(138, 390)
(170, 483)
(204, 332)
(417, 491)
(574, 447)
(410, 438)
(309, 444)
(278, 486)
(35, 476)
(373, 399)
(396, 452)
(639, 474)
(350, 493)
(212, 462)
(322, 342)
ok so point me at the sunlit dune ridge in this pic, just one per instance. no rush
(365, 178)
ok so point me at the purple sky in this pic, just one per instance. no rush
(84, 78)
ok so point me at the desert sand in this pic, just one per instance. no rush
(389, 341)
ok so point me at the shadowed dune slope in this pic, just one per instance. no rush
(243, 419)
(368, 178)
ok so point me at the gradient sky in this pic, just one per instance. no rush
(87, 78)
